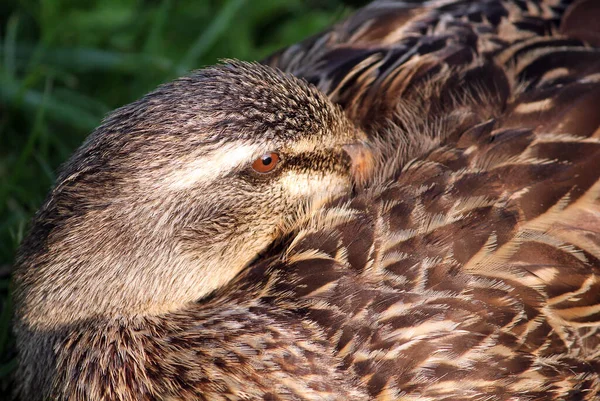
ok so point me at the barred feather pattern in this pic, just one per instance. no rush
(380, 63)
(470, 272)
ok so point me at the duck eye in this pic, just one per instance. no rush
(266, 163)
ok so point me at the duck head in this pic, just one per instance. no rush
(174, 194)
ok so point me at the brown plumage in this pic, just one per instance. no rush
(467, 269)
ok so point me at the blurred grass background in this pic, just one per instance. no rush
(64, 64)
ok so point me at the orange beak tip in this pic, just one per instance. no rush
(363, 161)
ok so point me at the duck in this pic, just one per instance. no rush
(403, 207)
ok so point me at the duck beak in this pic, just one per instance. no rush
(363, 161)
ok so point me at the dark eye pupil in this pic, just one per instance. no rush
(266, 160)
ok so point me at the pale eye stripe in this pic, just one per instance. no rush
(309, 184)
(207, 168)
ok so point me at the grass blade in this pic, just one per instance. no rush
(10, 45)
(208, 38)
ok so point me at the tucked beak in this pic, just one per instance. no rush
(362, 160)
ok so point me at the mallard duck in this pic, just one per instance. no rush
(235, 236)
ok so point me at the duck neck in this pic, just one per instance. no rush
(152, 280)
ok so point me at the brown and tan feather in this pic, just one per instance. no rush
(471, 271)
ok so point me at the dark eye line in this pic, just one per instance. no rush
(323, 160)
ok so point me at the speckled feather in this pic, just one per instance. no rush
(470, 272)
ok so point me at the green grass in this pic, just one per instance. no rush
(64, 64)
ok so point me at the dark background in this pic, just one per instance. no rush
(64, 64)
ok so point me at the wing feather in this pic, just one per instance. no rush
(484, 274)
